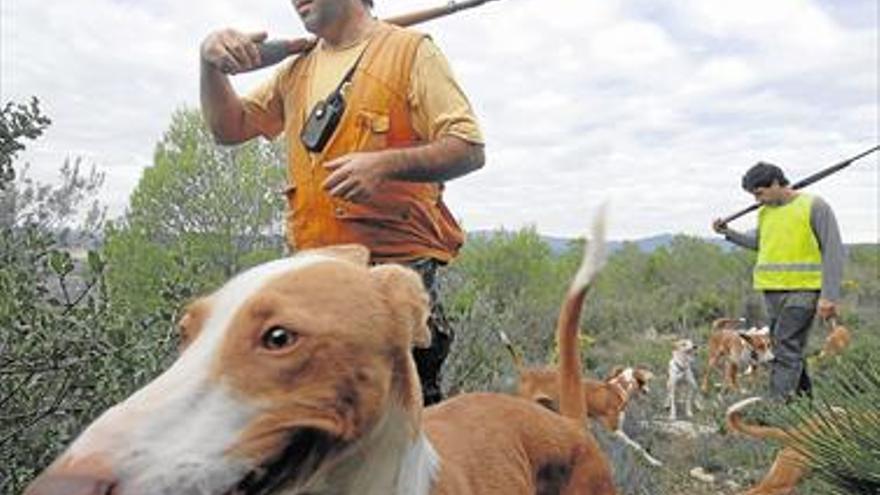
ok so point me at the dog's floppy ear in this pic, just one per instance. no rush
(408, 299)
(644, 374)
(765, 330)
(354, 253)
(643, 377)
(749, 337)
(614, 372)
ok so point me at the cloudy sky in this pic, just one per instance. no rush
(658, 107)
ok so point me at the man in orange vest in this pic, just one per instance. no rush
(374, 123)
(799, 269)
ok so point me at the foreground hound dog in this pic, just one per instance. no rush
(681, 373)
(297, 378)
(790, 465)
(735, 350)
(604, 400)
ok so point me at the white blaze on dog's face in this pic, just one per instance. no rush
(294, 357)
(632, 379)
(760, 343)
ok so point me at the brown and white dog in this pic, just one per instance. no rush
(297, 378)
(837, 341)
(681, 374)
(790, 465)
(604, 400)
(736, 350)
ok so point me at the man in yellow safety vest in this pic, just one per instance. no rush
(799, 269)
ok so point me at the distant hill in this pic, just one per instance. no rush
(645, 244)
(79, 243)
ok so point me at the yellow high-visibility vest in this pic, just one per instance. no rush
(789, 257)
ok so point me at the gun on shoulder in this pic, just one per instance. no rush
(274, 51)
(806, 181)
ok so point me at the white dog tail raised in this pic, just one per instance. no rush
(571, 399)
(517, 359)
(735, 422)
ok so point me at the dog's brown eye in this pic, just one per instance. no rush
(278, 338)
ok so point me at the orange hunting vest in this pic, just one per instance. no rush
(403, 220)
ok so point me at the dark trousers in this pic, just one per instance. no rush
(791, 316)
(429, 362)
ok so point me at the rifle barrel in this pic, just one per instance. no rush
(274, 51)
(433, 13)
(806, 181)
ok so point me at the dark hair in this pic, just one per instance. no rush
(763, 174)
(368, 3)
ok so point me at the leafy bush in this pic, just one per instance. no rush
(65, 353)
(17, 122)
(200, 214)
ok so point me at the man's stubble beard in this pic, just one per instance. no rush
(321, 14)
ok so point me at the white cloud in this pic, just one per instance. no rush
(659, 106)
(632, 45)
(722, 73)
(797, 23)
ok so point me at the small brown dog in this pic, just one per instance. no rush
(790, 465)
(734, 350)
(605, 400)
(681, 373)
(837, 341)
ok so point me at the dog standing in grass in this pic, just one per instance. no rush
(605, 400)
(681, 374)
(734, 351)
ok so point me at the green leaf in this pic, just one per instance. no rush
(60, 262)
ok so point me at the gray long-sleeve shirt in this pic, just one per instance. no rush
(824, 225)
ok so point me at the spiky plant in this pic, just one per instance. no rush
(838, 431)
